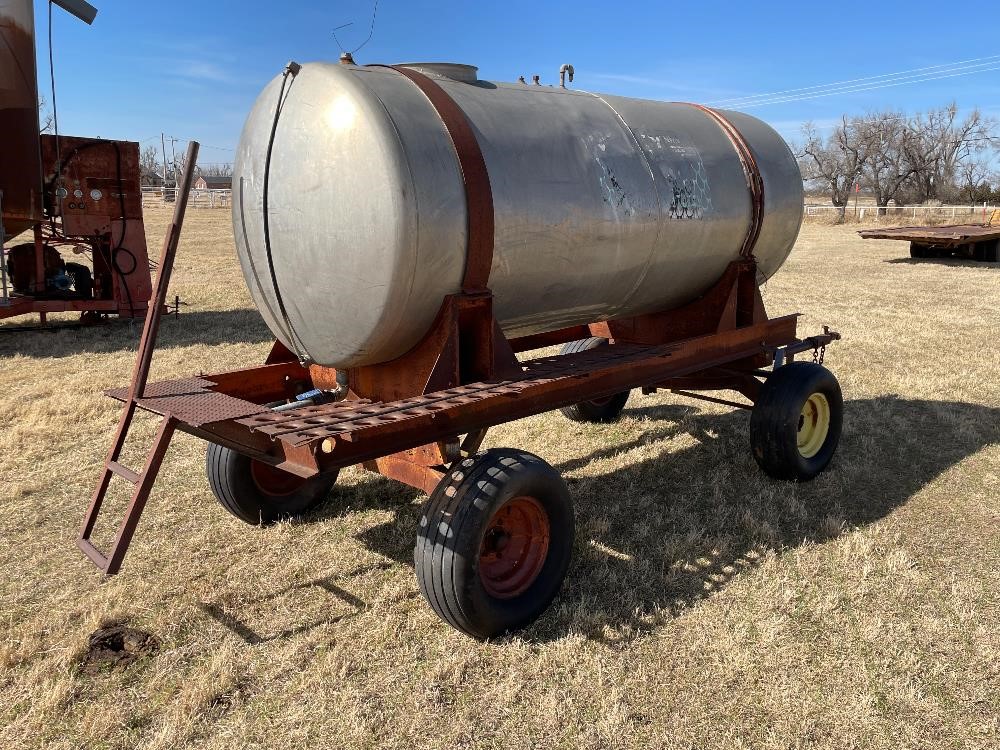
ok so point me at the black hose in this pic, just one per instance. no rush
(291, 69)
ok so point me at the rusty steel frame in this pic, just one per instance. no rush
(413, 417)
(944, 236)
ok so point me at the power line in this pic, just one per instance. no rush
(859, 89)
(186, 140)
(737, 100)
(833, 90)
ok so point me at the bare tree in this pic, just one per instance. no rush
(834, 163)
(45, 117)
(888, 167)
(223, 169)
(939, 146)
(975, 180)
(150, 168)
(900, 158)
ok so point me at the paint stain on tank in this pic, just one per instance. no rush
(682, 168)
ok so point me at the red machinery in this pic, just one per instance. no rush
(79, 197)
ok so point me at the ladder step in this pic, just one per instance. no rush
(124, 472)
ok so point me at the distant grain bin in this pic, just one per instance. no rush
(603, 206)
(20, 155)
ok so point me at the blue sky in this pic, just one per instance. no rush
(193, 69)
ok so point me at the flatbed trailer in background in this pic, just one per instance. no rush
(976, 241)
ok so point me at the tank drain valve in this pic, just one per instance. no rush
(315, 397)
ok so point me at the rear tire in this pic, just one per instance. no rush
(258, 493)
(988, 251)
(918, 251)
(599, 410)
(796, 422)
(494, 542)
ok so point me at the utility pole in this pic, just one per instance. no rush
(163, 149)
(173, 153)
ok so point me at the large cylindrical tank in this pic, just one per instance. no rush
(604, 206)
(20, 155)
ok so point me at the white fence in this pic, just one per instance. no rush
(154, 196)
(898, 213)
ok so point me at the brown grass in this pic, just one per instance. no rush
(707, 606)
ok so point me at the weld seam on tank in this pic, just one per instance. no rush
(641, 280)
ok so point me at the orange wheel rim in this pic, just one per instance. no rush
(514, 547)
(273, 481)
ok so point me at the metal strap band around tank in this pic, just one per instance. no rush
(478, 193)
(755, 182)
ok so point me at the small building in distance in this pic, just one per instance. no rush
(213, 182)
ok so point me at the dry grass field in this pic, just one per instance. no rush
(707, 605)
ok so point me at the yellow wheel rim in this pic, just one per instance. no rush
(814, 425)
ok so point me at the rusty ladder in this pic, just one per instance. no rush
(142, 481)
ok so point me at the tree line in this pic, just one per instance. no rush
(904, 159)
(151, 168)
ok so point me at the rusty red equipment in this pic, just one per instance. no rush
(973, 241)
(496, 535)
(80, 198)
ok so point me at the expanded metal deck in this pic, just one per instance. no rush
(353, 430)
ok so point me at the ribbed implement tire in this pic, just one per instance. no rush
(237, 484)
(604, 410)
(775, 421)
(452, 533)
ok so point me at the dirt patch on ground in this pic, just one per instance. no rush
(115, 647)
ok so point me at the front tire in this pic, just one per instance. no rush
(796, 422)
(258, 493)
(495, 542)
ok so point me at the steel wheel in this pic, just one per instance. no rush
(514, 547)
(814, 425)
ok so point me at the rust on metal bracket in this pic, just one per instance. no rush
(733, 302)
(478, 193)
(755, 182)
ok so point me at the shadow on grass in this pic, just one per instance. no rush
(957, 262)
(229, 617)
(208, 327)
(657, 535)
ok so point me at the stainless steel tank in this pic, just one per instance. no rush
(604, 206)
(20, 156)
